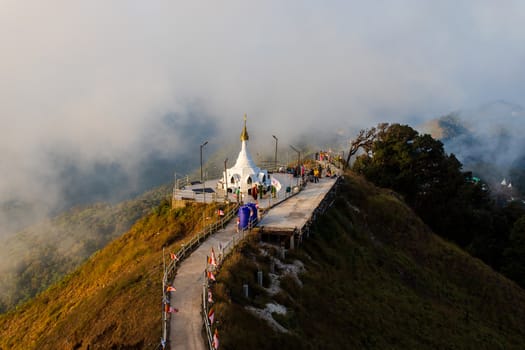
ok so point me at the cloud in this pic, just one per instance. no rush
(107, 85)
(492, 137)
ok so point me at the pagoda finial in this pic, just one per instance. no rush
(244, 133)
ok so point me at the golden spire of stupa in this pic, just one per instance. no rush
(244, 133)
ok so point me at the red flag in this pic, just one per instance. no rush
(211, 316)
(213, 261)
(210, 297)
(220, 212)
(170, 289)
(172, 310)
(173, 256)
(211, 276)
(216, 340)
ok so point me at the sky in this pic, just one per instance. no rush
(91, 85)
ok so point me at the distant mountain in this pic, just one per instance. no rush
(487, 140)
(58, 178)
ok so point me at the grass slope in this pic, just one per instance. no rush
(113, 301)
(41, 255)
(376, 278)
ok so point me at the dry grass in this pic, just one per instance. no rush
(113, 301)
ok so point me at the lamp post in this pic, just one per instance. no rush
(225, 181)
(275, 159)
(203, 192)
(175, 188)
(298, 154)
(298, 159)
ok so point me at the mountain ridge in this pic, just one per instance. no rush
(369, 245)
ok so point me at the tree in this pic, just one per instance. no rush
(447, 199)
(365, 140)
(431, 181)
(400, 159)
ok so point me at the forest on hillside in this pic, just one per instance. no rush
(452, 202)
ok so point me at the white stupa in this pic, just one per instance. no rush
(245, 174)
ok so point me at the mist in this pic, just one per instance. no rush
(487, 140)
(101, 100)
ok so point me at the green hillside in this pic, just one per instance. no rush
(374, 277)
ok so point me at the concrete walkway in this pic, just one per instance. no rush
(186, 325)
(295, 212)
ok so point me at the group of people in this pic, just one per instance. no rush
(315, 173)
(336, 159)
(323, 156)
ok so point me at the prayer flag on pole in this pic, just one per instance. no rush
(211, 276)
(210, 297)
(172, 310)
(211, 316)
(216, 340)
(173, 256)
(171, 289)
(213, 261)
